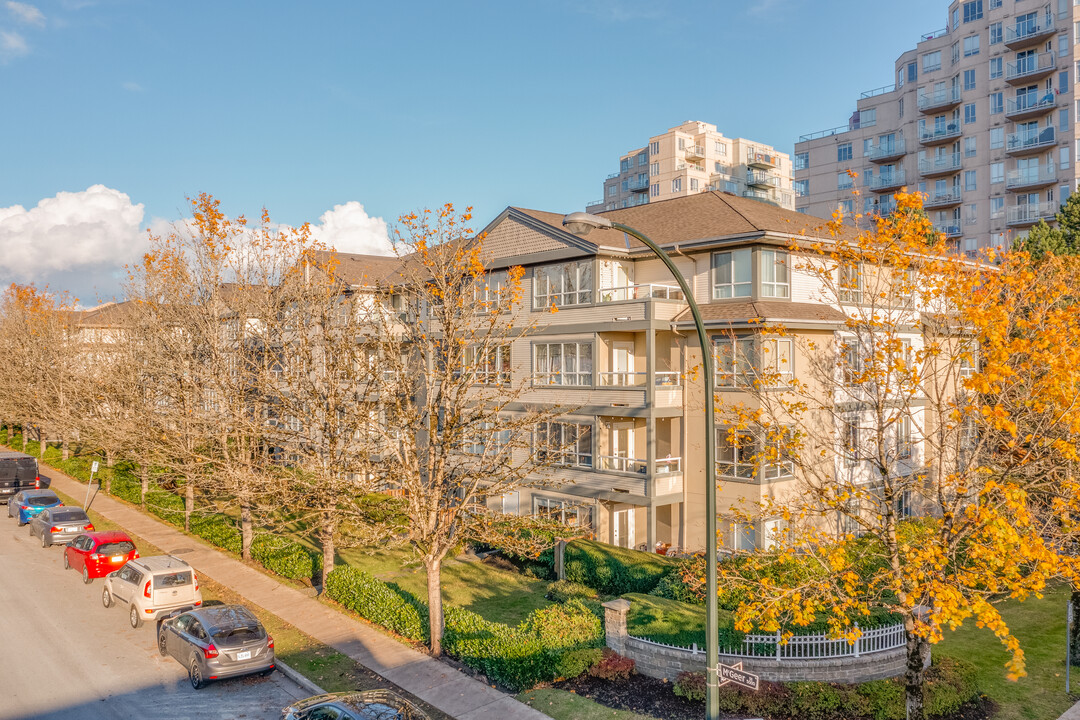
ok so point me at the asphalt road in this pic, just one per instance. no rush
(65, 657)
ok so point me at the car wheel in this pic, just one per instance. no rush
(86, 577)
(45, 540)
(195, 676)
(106, 598)
(134, 618)
(67, 563)
(161, 645)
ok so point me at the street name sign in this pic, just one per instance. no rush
(735, 674)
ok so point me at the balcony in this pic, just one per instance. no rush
(1030, 69)
(1029, 32)
(938, 136)
(623, 379)
(689, 166)
(942, 199)
(883, 207)
(641, 292)
(694, 152)
(1028, 143)
(886, 182)
(1031, 177)
(943, 99)
(940, 165)
(762, 161)
(949, 229)
(1026, 106)
(639, 185)
(618, 463)
(760, 178)
(1021, 215)
(885, 152)
(772, 198)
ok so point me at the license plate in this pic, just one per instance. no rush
(246, 655)
(117, 558)
(78, 529)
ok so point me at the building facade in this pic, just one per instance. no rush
(980, 119)
(693, 158)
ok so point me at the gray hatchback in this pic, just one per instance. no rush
(57, 525)
(217, 642)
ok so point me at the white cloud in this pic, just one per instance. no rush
(12, 45)
(348, 228)
(96, 229)
(132, 86)
(25, 13)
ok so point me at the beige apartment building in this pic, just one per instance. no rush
(981, 119)
(692, 158)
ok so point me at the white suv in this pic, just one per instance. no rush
(152, 587)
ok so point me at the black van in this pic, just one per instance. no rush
(18, 471)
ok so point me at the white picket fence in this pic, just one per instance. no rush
(806, 647)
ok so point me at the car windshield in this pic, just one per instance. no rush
(70, 516)
(172, 580)
(40, 500)
(116, 548)
(228, 636)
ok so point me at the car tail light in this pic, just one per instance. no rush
(146, 589)
(210, 652)
(270, 641)
(88, 527)
(135, 555)
(37, 482)
(55, 529)
(195, 577)
(198, 603)
(24, 507)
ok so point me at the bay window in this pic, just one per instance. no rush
(563, 284)
(731, 274)
(562, 363)
(774, 273)
(565, 443)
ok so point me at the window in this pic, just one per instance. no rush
(955, 52)
(566, 363)
(734, 361)
(912, 71)
(563, 284)
(995, 68)
(775, 459)
(486, 439)
(719, 167)
(775, 361)
(997, 207)
(973, 11)
(1063, 161)
(843, 152)
(676, 185)
(732, 274)
(995, 4)
(802, 187)
(802, 160)
(721, 148)
(654, 147)
(490, 292)
(846, 208)
(572, 513)
(654, 169)
(565, 443)
(997, 138)
(931, 61)
(849, 282)
(736, 454)
(969, 80)
(971, 45)
(612, 190)
(488, 365)
(844, 181)
(969, 180)
(1063, 120)
(1063, 44)
(849, 440)
(997, 173)
(995, 33)
(693, 184)
(867, 144)
(969, 147)
(900, 105)
(1063, 81)
(868, 117)
(654, 190)
(997, 103)
(642, 159)
(902, 429)
(774, 273)
(971, 213)
(969, 113)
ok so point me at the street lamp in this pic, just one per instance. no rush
(580, 223)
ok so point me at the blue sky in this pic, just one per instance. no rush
(301, 107)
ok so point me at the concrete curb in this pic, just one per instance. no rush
(298, 678)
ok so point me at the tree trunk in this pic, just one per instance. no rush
(144, 476)
(918, 653)
(65, 453)
(189, 503)
(41, 442)
(435, 606)
(326, 538)
(245, 531)
(24, 437)
(108, 458)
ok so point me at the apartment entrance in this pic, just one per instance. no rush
(622, 442)
(622, 364)
(622, 528)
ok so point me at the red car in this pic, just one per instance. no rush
(99, 553)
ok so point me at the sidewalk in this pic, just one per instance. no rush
(442, 686)
(1072, 713)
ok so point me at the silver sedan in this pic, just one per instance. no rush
(217, 642)
(58, 525)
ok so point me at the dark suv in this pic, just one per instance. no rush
(18, 471)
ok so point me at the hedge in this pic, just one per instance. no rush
(614, 571)
(285, 556)
(375, 601)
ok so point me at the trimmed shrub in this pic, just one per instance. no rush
(613, 667)
(218, 530)
(614, 571)
(949, 684)
(690, 685)
(513, 657)
(884, 699)
(374, 601)
(814, 700)
(562, 590)
(570, 626)
(575, 662)
(166, 505)
(285, 557)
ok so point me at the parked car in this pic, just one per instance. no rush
(18, 471)
(26, 504)
(217, 642)
(97, 554)
(367, 705)
(151, 587)
(57, 525)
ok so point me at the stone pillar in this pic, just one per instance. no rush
(615, 612)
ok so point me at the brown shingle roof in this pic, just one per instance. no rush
(763, 311)
(358, 269)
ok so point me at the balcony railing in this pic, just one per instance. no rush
(594, 203)
(1030, 214)
(668, 465)
(668, 379)
(1028, 141)
(942, 98)
(1031, 67)
(1027, 32)
(1037, 176)
(641, 292)
(940, 165)
(639, 184)
(761, 178)
(619, 463)
(694, 151)
(939, 135)
(887, 150)
(689, 166)
(943, 198)
(887, 181)
(764, 161)
(1028, 106)
(883, 208)
(950, 229)
(622, 379)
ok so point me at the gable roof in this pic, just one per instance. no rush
(769, 311)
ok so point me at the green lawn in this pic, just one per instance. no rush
(669, 621)
(563, 705)
(1040, 627)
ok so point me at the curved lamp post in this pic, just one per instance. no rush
(581, 223)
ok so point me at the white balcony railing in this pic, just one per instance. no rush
(668, 465)
(938, 98)
(641, 292)
(1029, 29)
(1030, 104)
(1030, 213)
(668, 379)
(618, 463)
(887, 180)
(939, 164)
(622, 379)
(887, 149)
(1041, 64)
